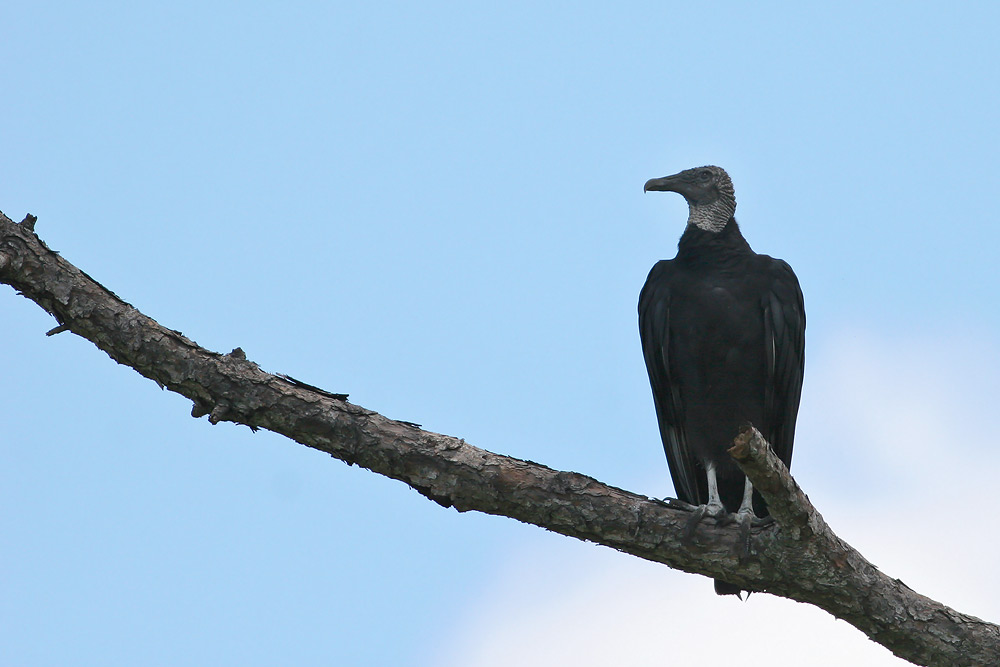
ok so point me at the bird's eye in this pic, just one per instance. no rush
(704, 175)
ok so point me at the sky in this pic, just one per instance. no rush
(438, 209)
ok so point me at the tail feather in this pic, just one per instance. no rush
(724, 588)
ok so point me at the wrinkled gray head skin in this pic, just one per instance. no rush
(709, 194)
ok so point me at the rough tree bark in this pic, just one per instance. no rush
(798, 556)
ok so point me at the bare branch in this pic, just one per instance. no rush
(797, 556)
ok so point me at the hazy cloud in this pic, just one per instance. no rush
(910, 415)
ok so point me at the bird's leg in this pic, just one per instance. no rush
(745, 512)
(713, 508)
(746, 508)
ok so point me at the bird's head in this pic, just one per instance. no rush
(708, 191)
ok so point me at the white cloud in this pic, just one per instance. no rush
(895, 447)
(919, 414)
(610, 609)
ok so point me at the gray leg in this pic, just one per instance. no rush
(746, 507)
(715, 507)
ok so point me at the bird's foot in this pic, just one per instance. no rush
(677, 504)
(714, 510)
(745, 515)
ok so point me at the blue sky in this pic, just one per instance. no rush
(439, 209)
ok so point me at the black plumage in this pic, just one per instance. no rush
(723, 336)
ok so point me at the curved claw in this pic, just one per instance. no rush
(680, 504)
(692, 523)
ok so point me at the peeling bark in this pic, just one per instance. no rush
(797, 556)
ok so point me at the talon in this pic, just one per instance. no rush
(680, 504)
(743, 544)
(692, 523)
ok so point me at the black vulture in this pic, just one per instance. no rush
(723, 336)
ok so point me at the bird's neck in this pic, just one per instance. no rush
(698, 243)
(711, 217)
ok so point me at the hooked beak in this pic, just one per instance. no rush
(665, 184)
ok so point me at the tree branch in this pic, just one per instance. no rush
(797, 556)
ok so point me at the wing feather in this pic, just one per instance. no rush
(784, 330)
(655, 334)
